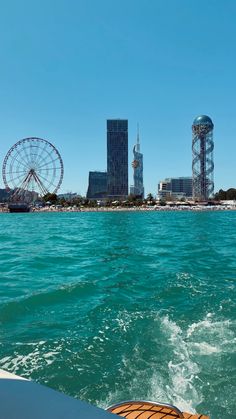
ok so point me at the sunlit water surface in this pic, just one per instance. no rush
(114, 306)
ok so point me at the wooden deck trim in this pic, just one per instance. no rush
(147, 410)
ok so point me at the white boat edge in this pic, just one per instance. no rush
(24, 399)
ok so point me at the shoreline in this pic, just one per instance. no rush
(197, 208)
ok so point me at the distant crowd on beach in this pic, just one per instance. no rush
(54, 208)
(121, 207)
(196, 207)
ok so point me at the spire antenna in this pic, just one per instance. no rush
(138, 143)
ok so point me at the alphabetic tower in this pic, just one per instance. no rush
(202, 163)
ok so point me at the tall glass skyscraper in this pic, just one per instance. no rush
(117, 158)
(97, 185)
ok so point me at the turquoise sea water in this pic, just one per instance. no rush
(113, 306)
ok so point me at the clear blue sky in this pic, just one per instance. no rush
(68, 65)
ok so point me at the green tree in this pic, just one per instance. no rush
(51, 197)
(231, 193)
(150, 199)
(224, 195)
(108, 202)
(221, 195)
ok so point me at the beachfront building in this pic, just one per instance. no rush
(137, 188)
(117, 158)
(177, 188)
(202, 163)
(97, 187)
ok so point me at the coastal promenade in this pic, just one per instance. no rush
(137, 208)
(156, 208)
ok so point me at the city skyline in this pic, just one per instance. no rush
(152, 65)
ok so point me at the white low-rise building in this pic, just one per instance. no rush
(176, 188)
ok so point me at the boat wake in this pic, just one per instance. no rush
(184, 367)
(134, 355)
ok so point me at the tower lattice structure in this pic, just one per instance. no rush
(202, 157)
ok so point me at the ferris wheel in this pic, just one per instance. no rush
(32, 167)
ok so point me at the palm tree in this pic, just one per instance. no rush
(150, 198)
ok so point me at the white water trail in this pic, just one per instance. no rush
(208, 337)
(180, 388)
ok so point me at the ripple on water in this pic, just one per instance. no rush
(108, 307)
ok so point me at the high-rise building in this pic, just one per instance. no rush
(137, 188)
(97, 187)
(202, 163)
(180, 187)
(117, 158)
